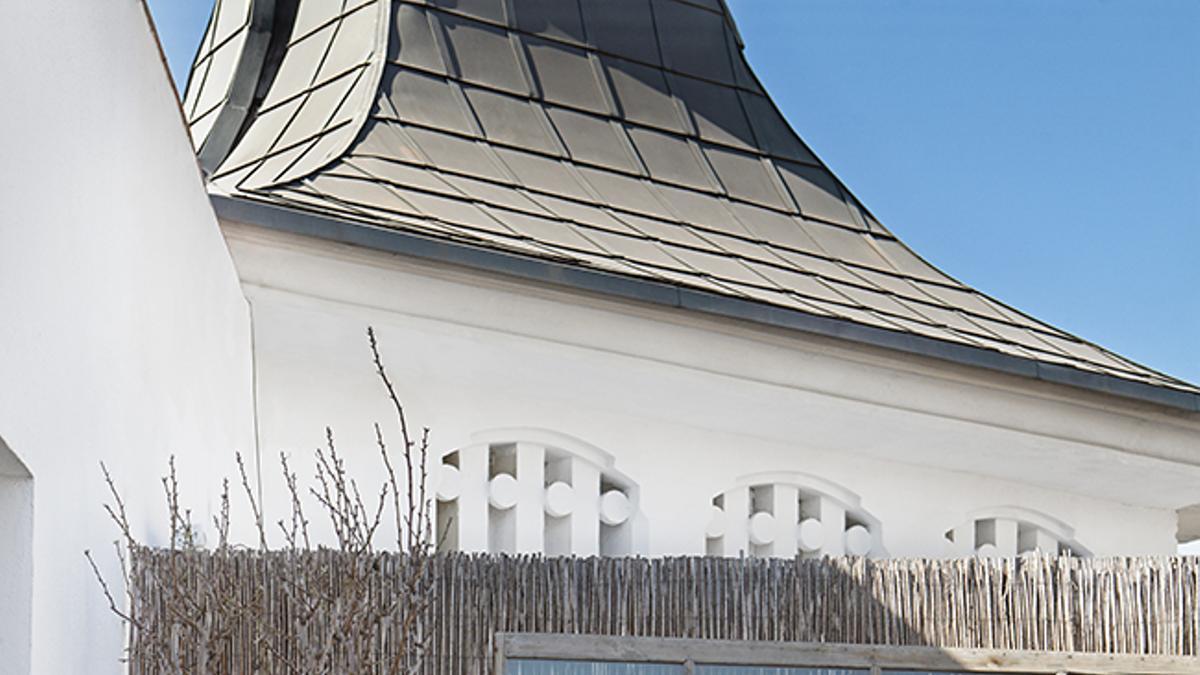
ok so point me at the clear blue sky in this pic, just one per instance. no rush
(1045, 152)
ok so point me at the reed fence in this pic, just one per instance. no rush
(1147, 606)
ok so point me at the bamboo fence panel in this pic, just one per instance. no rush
(1111, 605)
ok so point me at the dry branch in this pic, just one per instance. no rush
(299, 610)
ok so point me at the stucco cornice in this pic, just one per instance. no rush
(656, 293)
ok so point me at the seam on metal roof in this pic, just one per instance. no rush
(890, 317)
(433, 248)
(632, 141)
(220, 140)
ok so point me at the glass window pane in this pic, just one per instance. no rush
(547, 667)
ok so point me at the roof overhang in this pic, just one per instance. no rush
(571, 275)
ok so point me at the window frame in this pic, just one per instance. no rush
(877, 660)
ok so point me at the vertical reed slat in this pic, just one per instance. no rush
(1120, 605)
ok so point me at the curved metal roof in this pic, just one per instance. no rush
(626, 137)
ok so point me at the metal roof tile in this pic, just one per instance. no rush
(395, 173)
(624, 192)
(413, 41)
(564, 74)
(491, 10)
(744, 176)
(817, 192)
(623, 28)
(455, 153)
(426, 99)
(679, 24)
(218, 67)
(670, 158)
(553, 18)
(593, 140)
(227, 20)
(643, 95)
(389, 140)
(509, 120)
(484, 54)
(499, 195)
(771, 131)
(716, 111)
(554, 143)
(543, 174)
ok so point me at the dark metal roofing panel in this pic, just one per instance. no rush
(622, 137)
(565, 75)
(484, 54)
(594, 140)
(554, 18)
(412, 41)
(642, 95)
(623, 28)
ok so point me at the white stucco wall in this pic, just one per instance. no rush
(16, 561)
(688, 404)
(125, 338)
(123, 332)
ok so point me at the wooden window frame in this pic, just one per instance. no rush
(875, 659)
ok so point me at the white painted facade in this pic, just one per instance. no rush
(16, 563)
(123, 332)
(691, 408)
(131, 329)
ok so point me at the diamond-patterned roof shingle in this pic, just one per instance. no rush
(627, 136)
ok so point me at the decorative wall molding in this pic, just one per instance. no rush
(527, 490)
(1008, 531)
(782, 514)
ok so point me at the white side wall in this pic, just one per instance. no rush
(687, 405)
(16, 562)
(123, 332)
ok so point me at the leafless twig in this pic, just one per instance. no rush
(319, 612)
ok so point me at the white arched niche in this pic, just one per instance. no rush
(784, 514)
(1008, 531)
(16, 562)
(527, 490)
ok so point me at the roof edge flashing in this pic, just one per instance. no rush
(235, 113)
(359, 100)
(414, 245)
(733, 27)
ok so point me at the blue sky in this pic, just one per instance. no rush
(1047, 153)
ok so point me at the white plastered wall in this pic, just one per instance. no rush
(16, 562)
(124, 336)
(687, 405)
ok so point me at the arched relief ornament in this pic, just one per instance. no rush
(528, 490)
(784, 514)
(1009, 531)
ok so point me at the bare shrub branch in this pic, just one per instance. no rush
(307, 609)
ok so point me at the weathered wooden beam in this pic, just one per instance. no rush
(647, 650)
